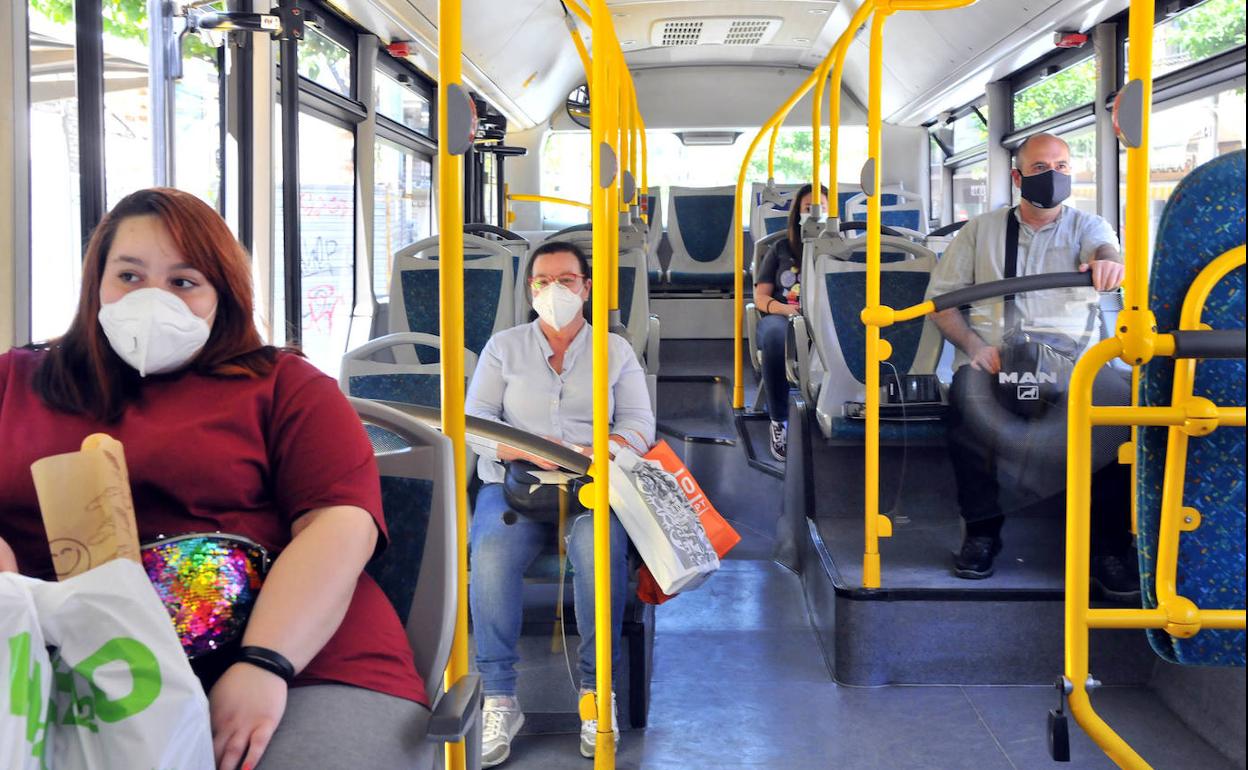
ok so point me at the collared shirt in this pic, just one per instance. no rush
(514, 383)
(977, 255)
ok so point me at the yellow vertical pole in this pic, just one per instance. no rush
(876, 349)
(644, 180)
(613, 229)
(602, 101)
(834, 130)
(771, 153)
(451, 325)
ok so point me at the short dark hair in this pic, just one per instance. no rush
(556, 247)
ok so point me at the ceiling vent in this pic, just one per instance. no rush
(714, 30)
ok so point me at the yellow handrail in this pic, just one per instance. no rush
(738, 305)
(604, 192)
(878, 350)
(525, 198)
(451, 325)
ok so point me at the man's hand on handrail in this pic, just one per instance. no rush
(8, 560)
(1106, 275)
(986, 358)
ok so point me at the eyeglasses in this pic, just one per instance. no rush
(571, 281)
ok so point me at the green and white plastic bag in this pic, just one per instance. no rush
(25, 677)
(122, 694)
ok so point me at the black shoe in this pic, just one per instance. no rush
(1117, 577)
(974, 561)
(778, 435)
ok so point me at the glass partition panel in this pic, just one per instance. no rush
(970, 190)
(55, 230)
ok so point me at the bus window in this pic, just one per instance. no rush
(936, 168)
(969, 131)
(400, 103)
(127, 123)
(1185, 135)
(197, 141)
(55, 237)
(326, 229)
(402, 210)
(325, 62)
(565, 164)
(1072, 87)
(970, 190)
(1205, 30)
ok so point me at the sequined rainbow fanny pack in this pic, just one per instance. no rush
(208, 583)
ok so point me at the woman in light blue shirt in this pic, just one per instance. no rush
(538, 377)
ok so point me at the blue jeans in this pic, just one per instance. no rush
(501, 553)
(771, 331)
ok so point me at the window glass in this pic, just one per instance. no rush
(402, 210)
(400, 103)
(127, 124)
(1206, 30)
(969, 131)
(490, 183)
(970, 190)
(327, 248)
(56, 240)
(1183, 136)
(936, 167)
(566, 162)
(325, 62)
(1072, 87)
(197, 146)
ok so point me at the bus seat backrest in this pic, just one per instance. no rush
(1204, 217)
(768, 216)
(699, 228)
(374, 370)
(838, 297)
(898, 208)
(419, 566)
(489, 278)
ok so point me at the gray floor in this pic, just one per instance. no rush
(739, 680)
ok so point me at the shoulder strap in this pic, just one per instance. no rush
(1011, 263)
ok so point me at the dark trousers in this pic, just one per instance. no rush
(973, 454)
(772, 330)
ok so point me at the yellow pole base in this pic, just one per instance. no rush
(604, 749)
(870, 570)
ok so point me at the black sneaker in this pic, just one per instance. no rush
(974, 561)
(779, 435)
(1117, 577)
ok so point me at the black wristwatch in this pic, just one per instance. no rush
(270, 660)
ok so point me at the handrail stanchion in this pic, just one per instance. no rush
(874, 316)
(738, 304)
(451, 323)
(602, 102)
(525, 198)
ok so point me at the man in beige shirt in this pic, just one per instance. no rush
(1051, 238)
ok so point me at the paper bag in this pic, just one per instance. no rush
(87, 510)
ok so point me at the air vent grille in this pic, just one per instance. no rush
(715, 30)
(747, 32)
(681, 33)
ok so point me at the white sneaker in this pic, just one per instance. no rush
(779, 436)
(501, 719)
(589, 731)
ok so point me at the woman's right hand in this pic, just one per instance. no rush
(508, 453)
(8, 560)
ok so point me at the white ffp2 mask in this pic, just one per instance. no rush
(557, 306)
(153, 331)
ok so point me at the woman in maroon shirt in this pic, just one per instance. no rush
(225, 434)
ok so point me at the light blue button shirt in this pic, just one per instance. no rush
(514, 383)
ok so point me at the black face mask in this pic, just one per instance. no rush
(1047, 189)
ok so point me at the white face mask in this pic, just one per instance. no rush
(153, 331)
(557, 306)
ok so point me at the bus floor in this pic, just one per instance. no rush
(739, 679)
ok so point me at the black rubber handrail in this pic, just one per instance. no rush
(473, 228)
(855, 225)
(1019, 285)
(948, 229)
(1218, 343)
(490, 430)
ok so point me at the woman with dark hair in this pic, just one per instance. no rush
(224, 434)
(539, 378)
(778, 294)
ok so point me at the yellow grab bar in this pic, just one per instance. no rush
(524, 198)
(451, 325)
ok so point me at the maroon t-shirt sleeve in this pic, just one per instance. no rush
(318, 451)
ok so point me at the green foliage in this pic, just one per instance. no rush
(123, 19)
(1069, 88)
(1207, 29)
(793, 155)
